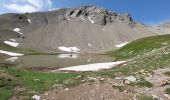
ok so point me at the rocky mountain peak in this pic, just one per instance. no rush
(98, 15)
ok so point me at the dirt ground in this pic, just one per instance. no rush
(102, 89)
(88, 91)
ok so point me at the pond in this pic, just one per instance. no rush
(51, 62)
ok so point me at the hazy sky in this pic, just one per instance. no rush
(147, 11)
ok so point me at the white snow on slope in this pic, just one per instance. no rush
(121, 45)
(18, 31)
(11, 53)
(12, 40)
(69, 49)
(90, 45)
(71, 56)
(93, 67)
(29, 20)
(92, 21)
(13, 44)
(12, 59)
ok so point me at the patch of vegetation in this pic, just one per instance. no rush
(148, 54)
(120, 88)
(144, 97)
(26, 51)
(141, 83)
(167, 91)
(141, 46)
(33, 81)
(6, 86)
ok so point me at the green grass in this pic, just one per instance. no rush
(141, 83)
(25, 51)
(144, 97)
(13, 49)
(148, 53)
(167, 91)
(141, 46)
(6, 87)
(120, 88)
(34, 81)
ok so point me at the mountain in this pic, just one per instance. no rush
(86, 29)
(163, 28)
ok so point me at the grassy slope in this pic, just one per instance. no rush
(20, 50)
(148, 53)
(141, 46)
(13, 49)
(32, 82)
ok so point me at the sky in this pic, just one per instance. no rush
(146, 11)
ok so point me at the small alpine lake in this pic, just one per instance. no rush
(53, 62)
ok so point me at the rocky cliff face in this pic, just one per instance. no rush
(87, 29)
(98, 15)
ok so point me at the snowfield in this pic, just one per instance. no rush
(18, 31)
(93, 67)
(69, 49)
(11, 53)
(12, 59)
(29, 20)
(13, 44)
(12, 40)
(121, 45)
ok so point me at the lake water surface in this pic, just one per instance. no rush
(50, 62)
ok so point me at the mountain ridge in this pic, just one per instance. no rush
(90, 29)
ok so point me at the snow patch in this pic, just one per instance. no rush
(69, 49)
(72, 56)
(90, 45)
(68, 19)
(92, 21)
(36, 97)
(10, 53)
(29, 20)
(13, 44)
(121, 45)
(103, 29)
(12, 59)
(18, 31)
(93, 67)
(12, 40)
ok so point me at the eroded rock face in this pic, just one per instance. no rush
(10, 21)
(98, 15)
